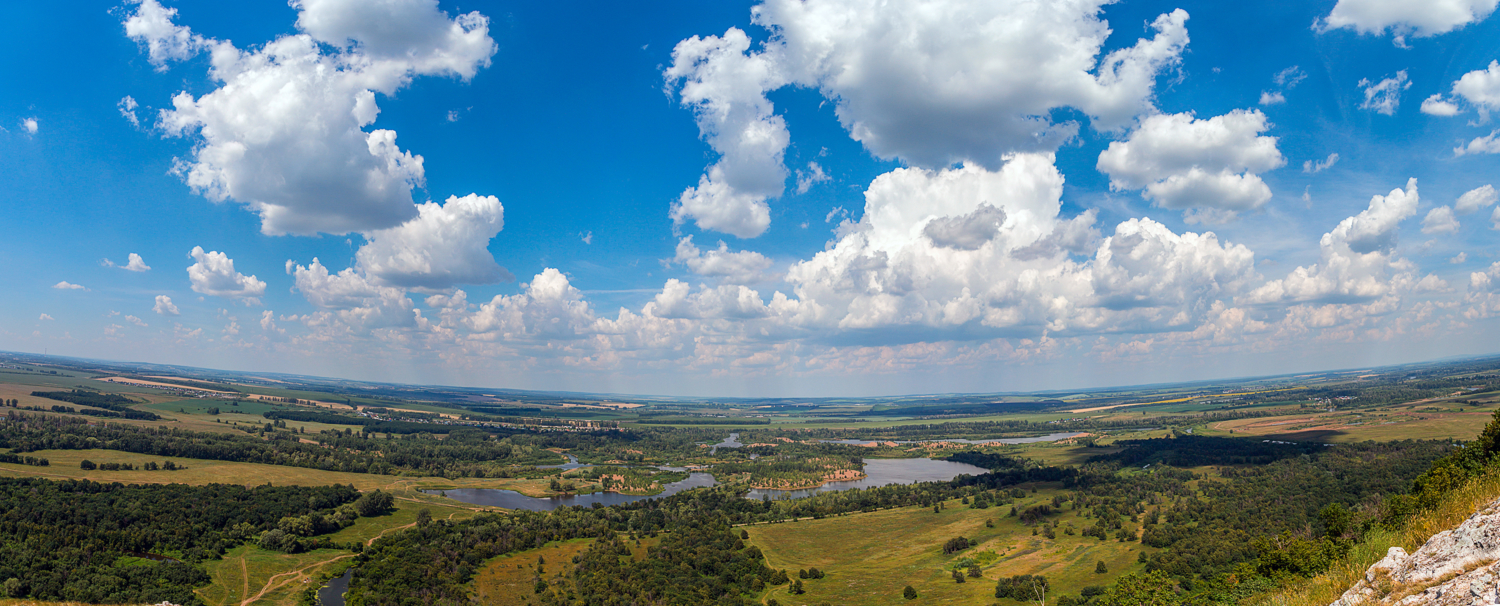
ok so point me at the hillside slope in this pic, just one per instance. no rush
(1455, 567)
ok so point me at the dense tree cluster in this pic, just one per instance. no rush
(65, 540)
(115, 403)
(6, 457)
(468, 453)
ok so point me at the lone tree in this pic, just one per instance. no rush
(958, 577)
(1101, 568)
(909, 593)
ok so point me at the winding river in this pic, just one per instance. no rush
(878, 472)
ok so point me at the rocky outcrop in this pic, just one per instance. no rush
(1455, 567)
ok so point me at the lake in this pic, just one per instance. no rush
(733, 441)
(510, 499)
(332, 594)
(880, 472)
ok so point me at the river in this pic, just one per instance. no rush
(878, 472)
(571, 464)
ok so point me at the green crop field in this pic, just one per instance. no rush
(868, 558)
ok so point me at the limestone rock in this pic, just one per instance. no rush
(1455, 567)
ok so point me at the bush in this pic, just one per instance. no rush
(909, 593)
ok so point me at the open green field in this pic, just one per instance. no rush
(65, 465)
(870, 557)
(509, 580)
(1396, 423)
(251, 575)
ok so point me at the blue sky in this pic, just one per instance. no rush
(777, 198)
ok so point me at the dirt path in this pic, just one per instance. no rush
(300, 573)
(245, 576)
(272, 584)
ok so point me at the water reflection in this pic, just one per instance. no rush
(332, 594)
(733, 441)
(571, 464)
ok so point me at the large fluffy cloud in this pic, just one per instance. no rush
(1357, 263)
(213, 273)
(1403, 18)
(733, 267)
(929, 82)
(1006, 263)
(1479, 88)
(443, 246)
(549, 307)
(351, 298)
(1199, 165)
(284, 131)
(725, 86)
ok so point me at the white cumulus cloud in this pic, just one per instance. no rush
(213, 273)
(1488, 144)
(1402, 18)
(443, 246)
(164, 306)
(137, 321)
(970, 252)
(29, 125)
(1476, 199)
(930, 83)
(1189, 164)
(136, 264)
(1440, 220)
(151, 24)
(1437, 106)
(66, 285)
(44, 317)
(351, 298)
(732, 267)
(1356, 262)
(284, 131)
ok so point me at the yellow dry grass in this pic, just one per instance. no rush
(1452, 511)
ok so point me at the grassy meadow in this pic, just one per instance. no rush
(869, 557)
